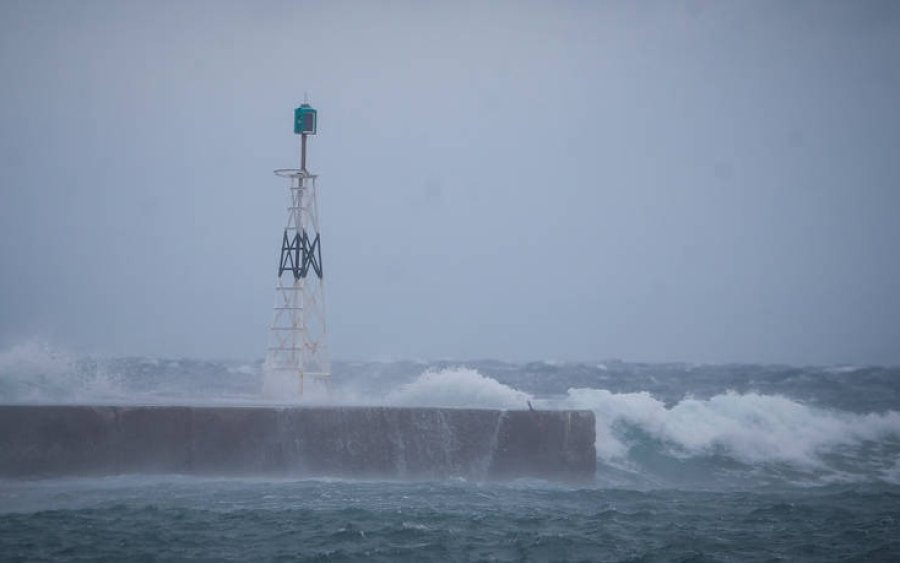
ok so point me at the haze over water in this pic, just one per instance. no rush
(653, 181)
(510, 193)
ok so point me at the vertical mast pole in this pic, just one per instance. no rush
(303, 152)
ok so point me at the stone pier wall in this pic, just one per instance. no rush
(361, 442)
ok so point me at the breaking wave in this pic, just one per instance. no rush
(732, 431)
(460, 388)
(725, 436)
(665, 436)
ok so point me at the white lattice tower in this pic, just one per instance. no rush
(298, 348)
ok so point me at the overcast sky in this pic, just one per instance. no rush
(695, 181)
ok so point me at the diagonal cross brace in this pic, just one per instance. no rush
(299, 253)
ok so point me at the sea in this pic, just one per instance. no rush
(695, 462)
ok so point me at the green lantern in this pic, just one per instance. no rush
(305, 120)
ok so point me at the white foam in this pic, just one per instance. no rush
(750, 427)
(33, 371)
(33, 358)
(458, 387)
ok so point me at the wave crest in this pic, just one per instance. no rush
(750, 428)
(458, 387)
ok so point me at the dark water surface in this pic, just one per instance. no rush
(175, 517)
(695, 463)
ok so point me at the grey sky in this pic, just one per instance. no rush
(651, 181)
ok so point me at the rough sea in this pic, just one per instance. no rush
(695, 463)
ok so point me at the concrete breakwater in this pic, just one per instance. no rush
(404, 443)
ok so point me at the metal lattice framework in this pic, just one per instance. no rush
(298, 339)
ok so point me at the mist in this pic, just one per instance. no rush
(703, 182)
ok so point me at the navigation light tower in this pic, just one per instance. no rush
(297, 339)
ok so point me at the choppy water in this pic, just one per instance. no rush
(172, 518)
(708, 462)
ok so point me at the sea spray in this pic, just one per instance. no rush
(756, 435)
(36, 372)
(458, 387)
(751, 427)
(658, 424)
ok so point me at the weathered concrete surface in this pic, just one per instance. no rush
(414, 443)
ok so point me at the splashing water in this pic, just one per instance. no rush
(458, 387)
(700, 433)
(751, 429)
